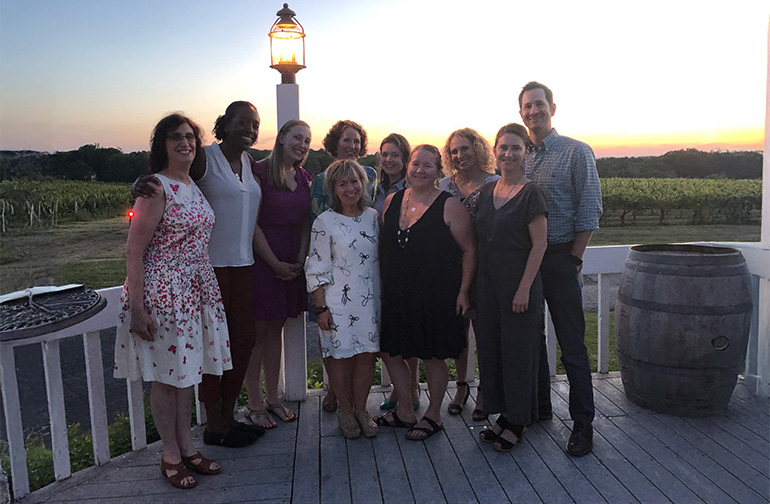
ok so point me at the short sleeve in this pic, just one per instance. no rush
(318, 265)
(536, 204)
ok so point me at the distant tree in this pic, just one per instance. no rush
(79, 170)
(125, 167)
(369, 160)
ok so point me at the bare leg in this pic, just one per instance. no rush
(414, 373)
(414, 370)
(340, 375)
(399, 373)
(164, 405)
(437, 375)
(331, 395)
(461, 365)
(271, 364)
(183, 417)
(362, 378)
(253, 378)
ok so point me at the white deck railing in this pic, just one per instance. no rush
(600, 261)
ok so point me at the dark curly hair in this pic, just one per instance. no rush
(332, 138)
(222, 121)
(158, 153)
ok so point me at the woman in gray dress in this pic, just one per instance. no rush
(511, 230)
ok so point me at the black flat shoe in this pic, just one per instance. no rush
(233, 438)
(257, 430)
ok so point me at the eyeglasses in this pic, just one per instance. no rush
(176, 137)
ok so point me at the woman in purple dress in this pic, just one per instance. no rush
(281, 243)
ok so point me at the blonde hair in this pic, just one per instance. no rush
(486, 160)
(340, 170)
(274, 165)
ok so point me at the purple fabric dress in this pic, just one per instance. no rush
(280, 218)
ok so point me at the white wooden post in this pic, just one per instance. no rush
(136, 415)
(470, 375)
(603, 309)
(763, 350)
(55, 392)
(287, 106)
(97, 405)
(295, 357)
(550, 341)
(13, 427)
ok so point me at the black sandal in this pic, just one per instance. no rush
(479, 414)
(394, 421)
(489, 435)
(503, 445)
(432, 428)
(456, 409)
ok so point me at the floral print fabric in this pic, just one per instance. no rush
(182, 297)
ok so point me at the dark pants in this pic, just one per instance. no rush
(236, 286)
(562, 291)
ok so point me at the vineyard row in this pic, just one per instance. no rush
(25, 203)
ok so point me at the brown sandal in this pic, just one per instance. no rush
(202, 466)
(177, 480)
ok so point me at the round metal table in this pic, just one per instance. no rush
(48, 312)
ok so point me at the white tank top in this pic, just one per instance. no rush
(235, 205)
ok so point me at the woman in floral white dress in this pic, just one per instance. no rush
(172, 326)
(343, 274)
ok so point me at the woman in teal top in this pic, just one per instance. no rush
(345, 140)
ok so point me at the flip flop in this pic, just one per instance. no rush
(283, 413)
(394, 421)
(432, 429)
(260, 418)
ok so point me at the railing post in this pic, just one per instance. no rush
(603, 324)
(763, 339)
(55, 392)
(13, 427)
(97, 406)
(295, 358)
(470, 375)
(550, 341)
(136, 414)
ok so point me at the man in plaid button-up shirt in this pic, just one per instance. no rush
(566, 171)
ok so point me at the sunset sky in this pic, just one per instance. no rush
(629, 78)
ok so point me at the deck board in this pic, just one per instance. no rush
(639, 456)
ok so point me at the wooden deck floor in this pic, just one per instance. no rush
(638, 456)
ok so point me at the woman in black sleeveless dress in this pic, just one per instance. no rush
(427, 258)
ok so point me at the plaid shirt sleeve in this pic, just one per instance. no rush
(588, 192)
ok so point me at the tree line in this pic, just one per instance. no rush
(686, 163)
(92, 162)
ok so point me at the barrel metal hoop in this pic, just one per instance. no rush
(673, 270)
(739, 309)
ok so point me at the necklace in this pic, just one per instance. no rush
(513, 186)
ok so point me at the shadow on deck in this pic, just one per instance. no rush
(639, 456)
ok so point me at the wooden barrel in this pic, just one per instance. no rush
(682, 323)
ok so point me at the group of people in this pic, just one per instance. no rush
(398, 263)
